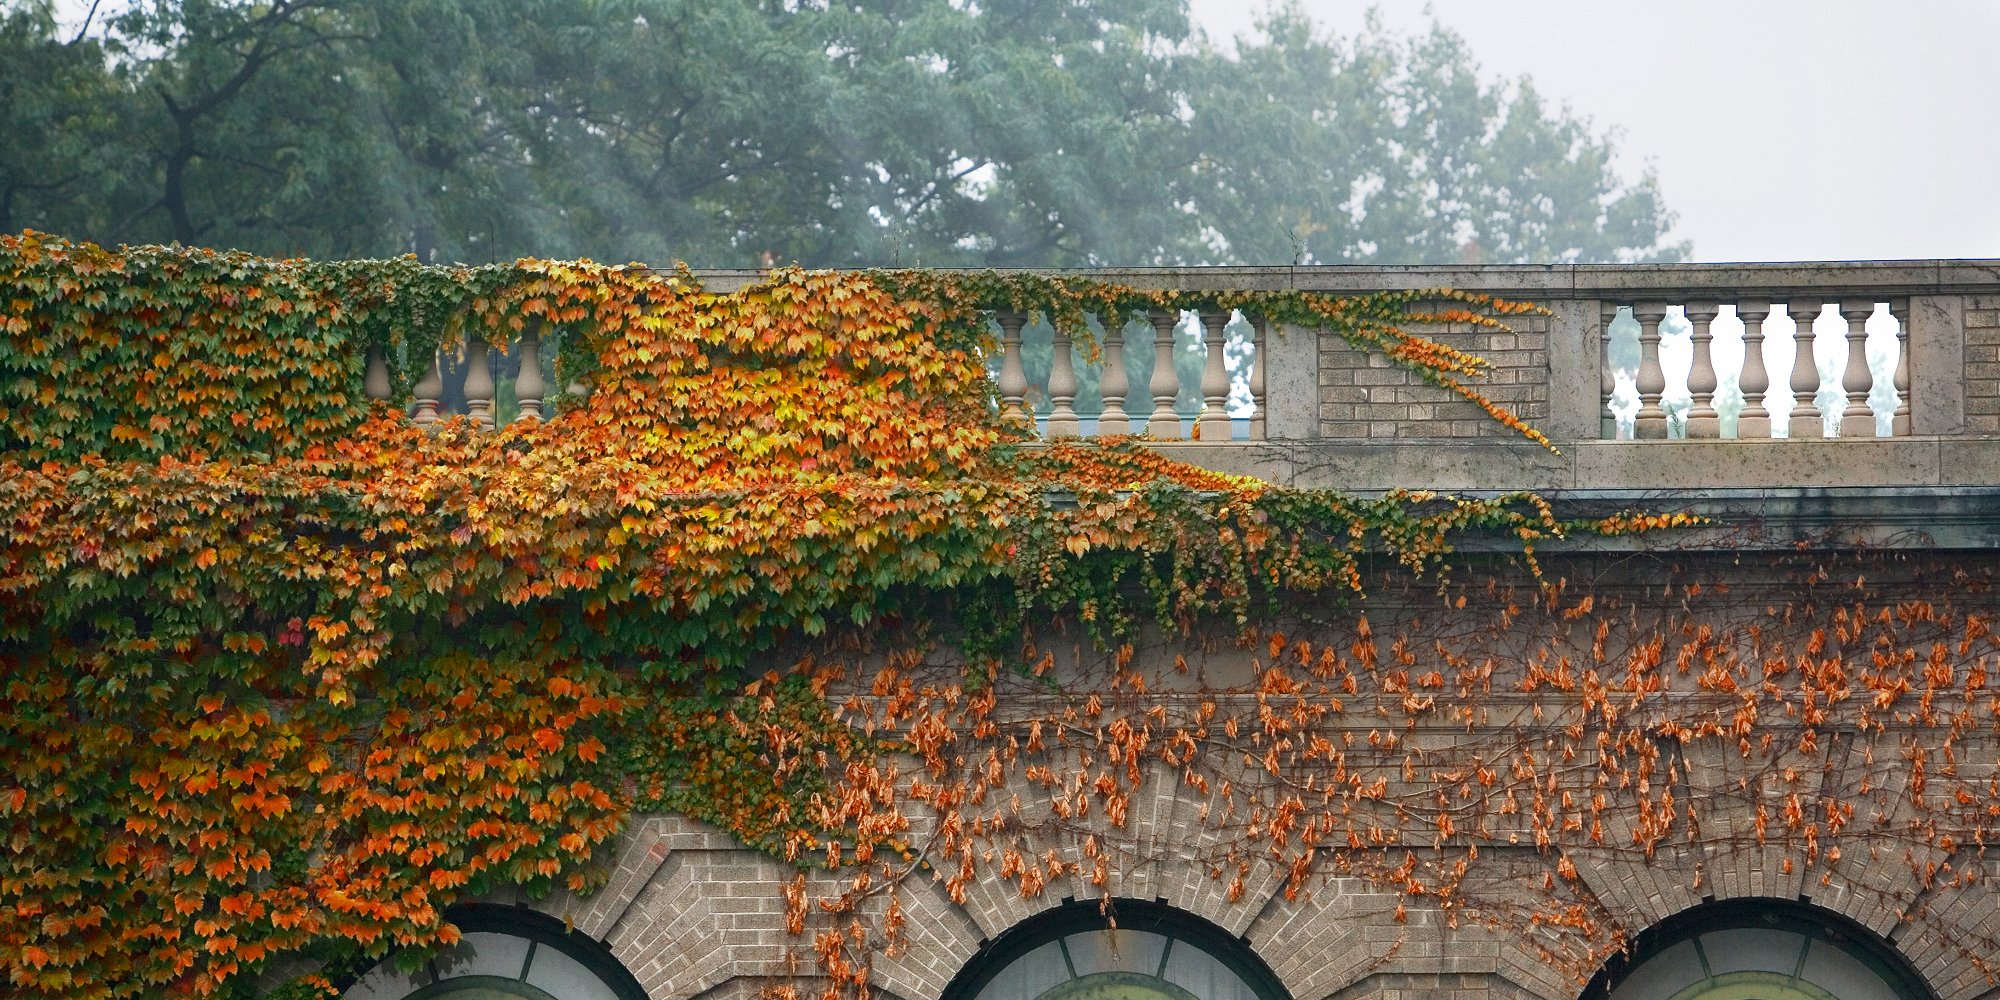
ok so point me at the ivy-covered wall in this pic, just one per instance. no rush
(287, 675)
(782, 614)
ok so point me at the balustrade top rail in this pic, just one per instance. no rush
(1655, 376)
(1533, 282)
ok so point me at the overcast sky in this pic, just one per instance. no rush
(1780, 129)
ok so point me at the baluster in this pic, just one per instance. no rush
(478, 382)
(1755, 381)
(1111, 384)
(429, 391)
(1610, 427)
(1652, 421)
(1062, 390)
(375, 384)
(1856, 419)
(1805, 420)
(1702, 420)
(1165, 383)
(1013, 378)
(528, 386)
(1899, 422)
(1215, 424)
(1257, 329)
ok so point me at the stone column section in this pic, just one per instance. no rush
(1258, 362)
(1013, 379)
(1934, 339)
(428, 391)
(375, 384)
(1577, 370)
(1755, 380)
(1702, 421)
(1289, 361)
(1111, 383)
(479, 382)
(528, 386)
(1062, 390)
(1805, 420)
(1165, 424)
(1899, 376)
(1856, 419)
(1215, 425)
(1652, 421)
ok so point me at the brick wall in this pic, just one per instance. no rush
(694, 915)
(709, 923)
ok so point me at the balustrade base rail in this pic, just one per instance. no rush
(1497, 465)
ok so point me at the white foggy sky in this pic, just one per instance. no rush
(1780, 129)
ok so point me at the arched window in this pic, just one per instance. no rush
(505, 953)
(1155, 953)
(1759, 949)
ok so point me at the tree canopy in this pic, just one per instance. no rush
(1007, 133)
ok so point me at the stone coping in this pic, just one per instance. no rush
(1931, 493)
(1552, 281)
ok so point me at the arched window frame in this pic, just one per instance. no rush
(541, 931)
(1815, 923)
(1177, 925)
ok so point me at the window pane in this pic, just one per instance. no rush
(1029, 976)
(1116, 951)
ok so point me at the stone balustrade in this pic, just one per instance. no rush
(1169, 376)
(1849, 373)
(1802, 409)
(1646, 377)
(478, 394)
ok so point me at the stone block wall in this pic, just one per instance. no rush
(1364, 396)
(1982, 364)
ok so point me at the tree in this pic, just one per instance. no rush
(229, 127)
(1393, 150)
(62, 91)
(1010, 133)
